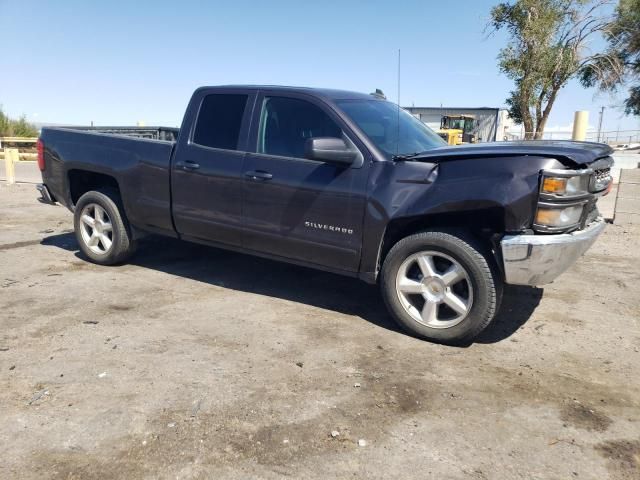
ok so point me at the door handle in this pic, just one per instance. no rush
(188, 165)
(258, 175)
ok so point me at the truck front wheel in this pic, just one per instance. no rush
(441, 287)
(102, 229)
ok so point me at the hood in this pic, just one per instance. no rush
(568, 152)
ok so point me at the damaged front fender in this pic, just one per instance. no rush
(495, 193)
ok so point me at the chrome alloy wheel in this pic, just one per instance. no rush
(434, 289)
(96, 229)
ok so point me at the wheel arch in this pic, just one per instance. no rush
(483, 227)
(82, 181)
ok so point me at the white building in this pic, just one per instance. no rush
(492, 124)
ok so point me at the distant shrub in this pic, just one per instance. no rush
(16, 128)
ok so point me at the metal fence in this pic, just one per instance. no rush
(26, 147)
(614, 137)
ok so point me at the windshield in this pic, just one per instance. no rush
(457, 123)
(379, 121)
(465, 124)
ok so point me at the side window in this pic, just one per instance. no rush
(219, 121)
(287, 123)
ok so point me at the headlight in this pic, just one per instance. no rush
(558, 216)
(601, 180)
(565, 184)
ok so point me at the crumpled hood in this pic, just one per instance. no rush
(569, 152)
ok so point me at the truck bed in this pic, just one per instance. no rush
(169, 134)
(140, 165)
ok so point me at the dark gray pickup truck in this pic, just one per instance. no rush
(344, 182)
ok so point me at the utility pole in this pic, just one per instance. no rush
(600, 123)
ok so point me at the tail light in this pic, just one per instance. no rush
(40, 147)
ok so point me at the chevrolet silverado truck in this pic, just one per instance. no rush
(344, 182)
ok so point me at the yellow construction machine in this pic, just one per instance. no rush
(457, 129)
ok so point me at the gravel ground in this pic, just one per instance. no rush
(192, 362)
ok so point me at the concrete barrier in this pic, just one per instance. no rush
(624, 160)
(11, 157)
(628, 201)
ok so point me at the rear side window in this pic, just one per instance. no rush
(287, 123)
(219, 121)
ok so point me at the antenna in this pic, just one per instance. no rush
(398, 137)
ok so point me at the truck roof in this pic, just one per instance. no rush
(329, 93)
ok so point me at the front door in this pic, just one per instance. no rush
(296, 208)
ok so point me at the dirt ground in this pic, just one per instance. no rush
(192, 362)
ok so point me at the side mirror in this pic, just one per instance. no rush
(329, 149)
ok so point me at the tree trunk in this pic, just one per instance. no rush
(525, 113)
(542, 122)
(527, 121)
(538, 120)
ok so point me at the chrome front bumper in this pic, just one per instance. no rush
(539, 259)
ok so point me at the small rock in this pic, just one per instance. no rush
(356, 385)
(90, 322)
(300, 364)
(171, 425)
(12, 367)
(362, 442)
(37, 396)
(335, 433)
(286, 440)
(102, 375)
(144, 442)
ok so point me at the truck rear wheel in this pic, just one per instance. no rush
(102, 229)
(441, 287)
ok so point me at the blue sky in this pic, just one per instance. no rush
(116, 62)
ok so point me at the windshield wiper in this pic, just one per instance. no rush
(407, 156)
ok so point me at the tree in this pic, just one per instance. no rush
(5, 125)
(16, 128)
(22, 128)
(619, 65)
(546, 48)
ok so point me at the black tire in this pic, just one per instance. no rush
(483, 276)
(122, 243)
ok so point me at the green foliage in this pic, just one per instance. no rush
(619, 65)
(545, 50)
(22, 128)
(513, 106)
(16, 128)
(5, 125)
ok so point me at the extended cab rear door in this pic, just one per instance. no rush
(206, 177)
(301, 209)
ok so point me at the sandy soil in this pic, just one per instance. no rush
(192, 362)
